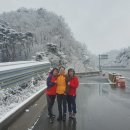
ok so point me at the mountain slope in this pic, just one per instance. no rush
(46, 27)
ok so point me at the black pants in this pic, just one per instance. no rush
(71, 103)
(61, 100)
(50, 103)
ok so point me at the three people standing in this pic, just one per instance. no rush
(64, 87)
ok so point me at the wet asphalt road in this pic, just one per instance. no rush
(99, 107)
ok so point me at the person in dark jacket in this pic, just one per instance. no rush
(51, 92)
(72, 85)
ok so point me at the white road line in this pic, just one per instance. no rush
(97, 83)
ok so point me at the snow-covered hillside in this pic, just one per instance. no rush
(14, 45)
(111, 58)
(45, 27)
(124, 57)
(117, 58)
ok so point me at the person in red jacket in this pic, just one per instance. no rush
(72, 85)
(51, 92)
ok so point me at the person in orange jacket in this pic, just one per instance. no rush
(61, 94)
(51, 92)
(72, 85)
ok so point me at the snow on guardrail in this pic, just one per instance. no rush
(21, 72)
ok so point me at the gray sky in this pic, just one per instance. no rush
(102, 24)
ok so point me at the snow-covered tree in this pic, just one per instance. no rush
(47, 27)
(14, 45)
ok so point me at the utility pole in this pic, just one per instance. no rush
(103, 56)
(99, 63)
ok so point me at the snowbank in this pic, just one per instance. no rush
(11, 100)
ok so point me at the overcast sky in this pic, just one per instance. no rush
(102, 24)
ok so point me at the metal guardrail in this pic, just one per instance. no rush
(21, 73)
(3, 64)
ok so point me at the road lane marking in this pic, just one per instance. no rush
(97, 83)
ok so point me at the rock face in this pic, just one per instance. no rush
(55, 56)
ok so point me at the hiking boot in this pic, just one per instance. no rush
(73, 116)
(70, 115)
(51, 120)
